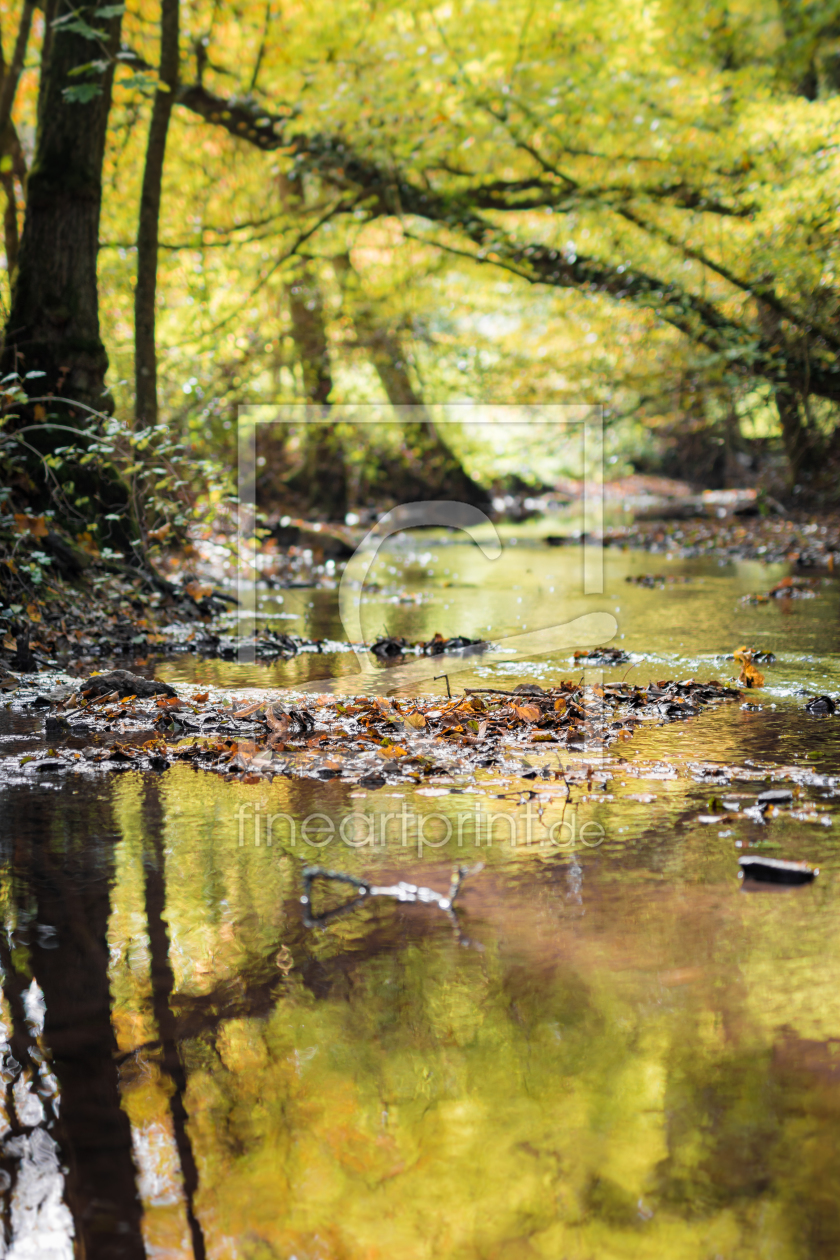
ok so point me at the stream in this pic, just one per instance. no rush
(613, 1048)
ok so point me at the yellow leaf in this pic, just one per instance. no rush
(39, 411)
(32, 613)
(416, 720)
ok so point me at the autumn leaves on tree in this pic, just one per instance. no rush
(422, 206)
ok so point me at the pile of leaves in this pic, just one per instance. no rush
(109, 614)
(788, 588)
(810, 542)
(656, 581)
(371, 741)
(391, 647)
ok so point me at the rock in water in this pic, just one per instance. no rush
(821, 704)
(774, 796)
(126, 684)
(774, 871)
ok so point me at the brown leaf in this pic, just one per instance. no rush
(32, 613)
(277, 720)
(527, 712)
(249, 709)
(416, 720)
(750, 676)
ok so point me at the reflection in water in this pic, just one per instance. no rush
(635, 1059)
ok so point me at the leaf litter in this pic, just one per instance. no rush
(366, 740)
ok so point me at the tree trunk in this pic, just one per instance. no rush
(11, 74)
(145, 354)
(50, 9)
(322, 480)
(800, 443)
(53, 325)
(796, 439)
(431, 469)
(11, 157)
(430, 464)
(306, 310)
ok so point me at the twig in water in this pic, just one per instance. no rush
(446, 676)
(399, 892)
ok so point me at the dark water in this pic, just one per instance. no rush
(615, 1051)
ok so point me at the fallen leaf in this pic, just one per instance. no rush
(416, 720)
(527, 712)
(277, 720)
(32, 613)
(249, 709)
(749, 676)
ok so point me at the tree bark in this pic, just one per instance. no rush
(11, 157)
(11, 74)
(306, 311)
(436, 470)
(50, 8)
(53, 325)
(801, 447)
(322, 480)
(145, 353)
(431, 470)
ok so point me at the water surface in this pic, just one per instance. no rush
(616, 1050)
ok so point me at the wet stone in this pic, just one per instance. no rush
(775, 871)
(775, 796)
(821, 704)
(125, 684)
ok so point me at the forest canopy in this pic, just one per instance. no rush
(520, 202)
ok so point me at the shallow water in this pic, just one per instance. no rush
(613, 1050)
